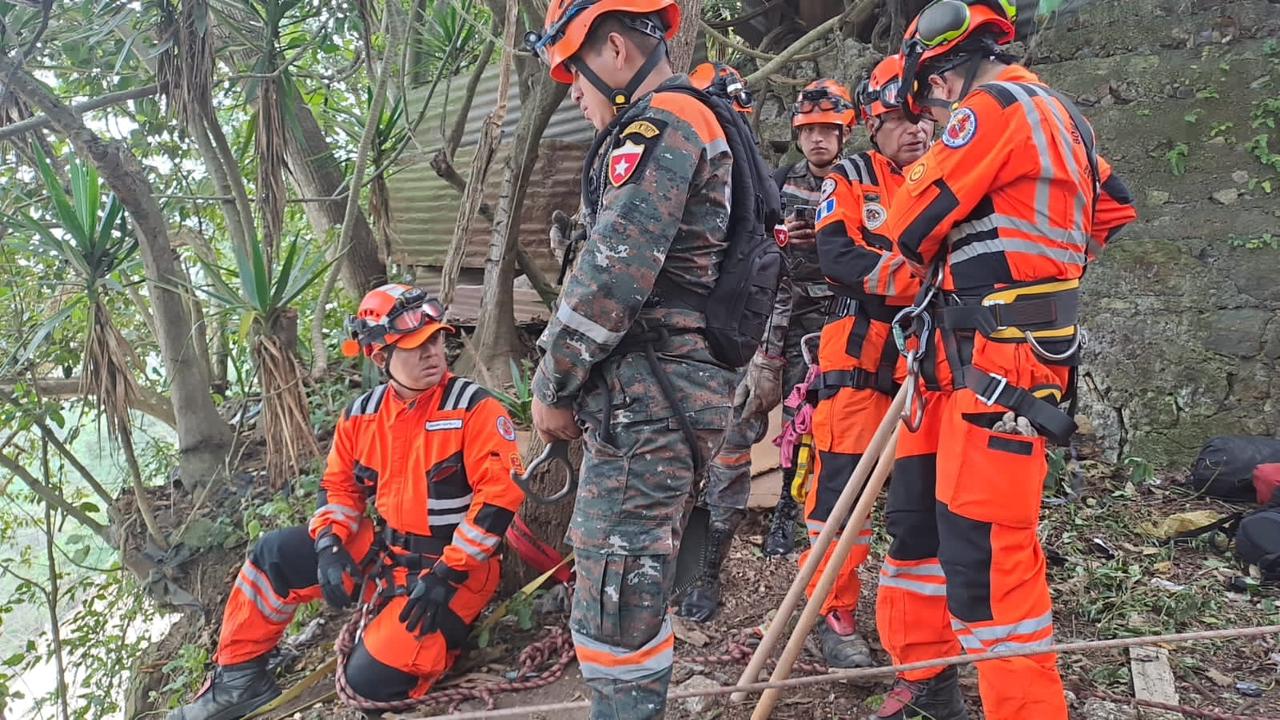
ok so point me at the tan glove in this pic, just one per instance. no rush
(1012, 424)
(565, 231)
(761, 389)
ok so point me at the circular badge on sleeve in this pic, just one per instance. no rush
(506, 428)
(960, 128)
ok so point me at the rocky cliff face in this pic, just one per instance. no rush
(1183, 310)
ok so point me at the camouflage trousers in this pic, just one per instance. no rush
(633, 498)
(729, 477)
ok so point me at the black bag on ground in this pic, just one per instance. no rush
(741, 303)
(1224, 468)
(1258, 541)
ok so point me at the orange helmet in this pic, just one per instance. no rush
(569, 21)
(393, 314)
(948, 33)
(878, 93)
(823, 102)
(723, 81)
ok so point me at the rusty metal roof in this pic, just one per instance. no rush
(424, 208)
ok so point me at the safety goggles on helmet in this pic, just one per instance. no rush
(539, 42)
(887, 95)
(947, 20)
(819, 100)
(412, 311)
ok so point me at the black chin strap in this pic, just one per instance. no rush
(389, 352)
(622, 97)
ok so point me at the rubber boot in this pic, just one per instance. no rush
(703, 599)
(235, 691)
(937, 698)
(781, 538)
(842, 645)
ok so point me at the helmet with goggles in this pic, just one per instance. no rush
(568, 23)
(823, 102)
(393, 315)
(724, 81)
(950, 33)
(878, 93)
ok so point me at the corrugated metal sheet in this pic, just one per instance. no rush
(424, 207)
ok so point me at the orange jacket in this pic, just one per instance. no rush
(862, 265)
(1008, 193)
(438, 466)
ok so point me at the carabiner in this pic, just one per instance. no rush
(1035, 346)
(804, 347)
(556, 452)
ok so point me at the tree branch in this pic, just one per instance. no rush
(805, 41)
(115, 98)
(54, 498)
(469, 94)
(319, 353)
(149, 402)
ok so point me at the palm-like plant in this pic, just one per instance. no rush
(263, 300)
(94, 241)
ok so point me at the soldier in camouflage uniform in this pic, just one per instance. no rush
(655, 206)
(821, 119)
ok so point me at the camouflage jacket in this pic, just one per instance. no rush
(656, 207)
(801, 187)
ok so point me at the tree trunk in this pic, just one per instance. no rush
(203, 437)
(686, 41)
(497, 338)
(316, 173)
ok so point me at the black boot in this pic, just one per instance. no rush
(781, 539)
(842, 645)
(235, 691)
(937, 698)
(703, 599)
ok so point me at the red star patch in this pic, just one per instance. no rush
(623, 162)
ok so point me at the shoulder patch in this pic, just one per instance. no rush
(506, 428)
(623, 161)
(960, 129)
(828, 187)
(827, 207)
(873, 215)
(645, 128)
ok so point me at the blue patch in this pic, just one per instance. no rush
(960, 129)
(826, 208)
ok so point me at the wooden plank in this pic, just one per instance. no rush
(1153, 678)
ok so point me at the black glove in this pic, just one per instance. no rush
(433, 591)
(334, 564)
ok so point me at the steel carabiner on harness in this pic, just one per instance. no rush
(556, 452)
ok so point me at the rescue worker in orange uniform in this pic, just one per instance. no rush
(859, 361)
(1005, 213)
(432, 453)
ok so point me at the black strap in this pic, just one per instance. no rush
(832, 381)
(1059, 310)
(414, 543)
(1056, 425)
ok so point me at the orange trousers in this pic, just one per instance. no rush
(965, 568)
(842, 428)
(388, 662)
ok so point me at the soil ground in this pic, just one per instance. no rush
(1110, 578)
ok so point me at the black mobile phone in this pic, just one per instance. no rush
(804, 213)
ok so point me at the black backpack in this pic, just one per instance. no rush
(1258, 541)
(740, 305)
